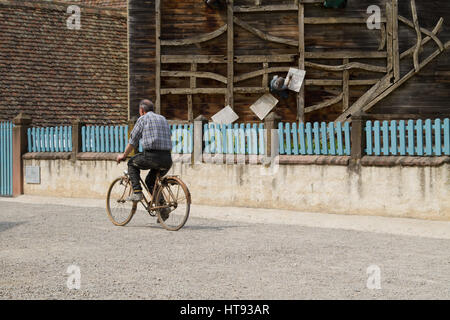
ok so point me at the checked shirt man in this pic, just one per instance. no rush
(153, 131)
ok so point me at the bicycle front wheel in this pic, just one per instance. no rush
(119, 210)
(174, 197)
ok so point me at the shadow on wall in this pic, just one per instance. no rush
(9, 225)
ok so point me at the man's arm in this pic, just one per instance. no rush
(135, 136)
(124, 155)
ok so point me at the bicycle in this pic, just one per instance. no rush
(163, 205)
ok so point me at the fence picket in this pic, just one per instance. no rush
(410, 128)
(437, 137)
(347, 139)
(428, 138)
(316, 138)
(339, 132)
(419, 135)
(332, 139)
(295, 138)
(309, 141)
(447, 137)
(369, 141)
(385, 131)
(393, 132)
(281, 138)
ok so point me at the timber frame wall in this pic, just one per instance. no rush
(340, 82)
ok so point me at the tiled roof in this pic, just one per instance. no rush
(99, 3)
(55, 74)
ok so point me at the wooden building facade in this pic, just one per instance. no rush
(191, 59)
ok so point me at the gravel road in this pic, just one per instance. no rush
(208, 259)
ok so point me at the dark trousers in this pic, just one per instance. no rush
(155, 161)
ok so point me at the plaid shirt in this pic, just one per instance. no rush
(153, 131)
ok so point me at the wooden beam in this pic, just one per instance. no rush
(338, 20)
(197, 39)
(230, 55)
(346, 54)
(194, 74)
(390, 37)
(395, 43)
(435, 31)
(265, 79)
(345, 87)
(263, 35)
(167, 91)
(158, 55)
(267, 8)
(353, 65)
(193, 85)
(418, 33)
(266, 58)
(193, 59)
(258, 73)
(424, 31)
(324, 104)
(301, 61)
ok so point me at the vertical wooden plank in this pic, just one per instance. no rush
(116, 139)
(295, 138)
(206, 138)
(369, 142)
(316, 138)
(158, 55)
(242, 139)
(447, 137)
(69, 138)
(29, 139)
(265, 79)
(389, 36)
(255, 139)
(301, 134)
(419, 137)
(230, 54)
(185, 139)
(287, 131)
(332, 139)
(437, 137)
(393, 133)
(402, 137)
(261, 144)
(281, 137)
(340, 146)
(111, 137)
(309, 140)
(347, 139)
(410, 128)
(97, 139)
(385, 130)
(83, 139)
(2, 157)
(191, 138)
(223, 133)
(236, 138)
(345, 87)
(248, 138)
(193, 85)
(106, 139)
(395, 43)
(377, 138)
(323, 133)
(301, 61)
(428, 138)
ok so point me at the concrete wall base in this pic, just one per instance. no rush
(414, 192)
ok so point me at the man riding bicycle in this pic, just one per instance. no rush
(154, 133)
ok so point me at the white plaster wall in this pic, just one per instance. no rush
(419, 192)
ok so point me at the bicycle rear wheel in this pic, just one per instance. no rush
(119, 210)
(175, 195)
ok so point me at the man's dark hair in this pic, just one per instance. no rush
(146, 105)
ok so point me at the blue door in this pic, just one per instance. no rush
(6, 158)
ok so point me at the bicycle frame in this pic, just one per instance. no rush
(148, 205)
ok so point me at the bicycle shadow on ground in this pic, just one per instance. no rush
(188, 227)
(9, 225)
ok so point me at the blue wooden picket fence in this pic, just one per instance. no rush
(182, 138)
(234, 139)
(110, 139)
(6, 172)
(412, 138)
(50, 139)
(314, 138)
(113, 139)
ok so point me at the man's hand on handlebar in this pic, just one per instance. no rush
(120, 158)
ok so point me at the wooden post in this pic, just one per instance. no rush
(358, 137)
(345, 87)
(395, 45)
(158, 56)
(77, 139)
(193, 85)
(20, 141)
(270, 123)
(230, 54)
(198, 139)
(301, 60)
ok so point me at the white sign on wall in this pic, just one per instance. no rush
(294, 79)
(264, 105)
(32, 175)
